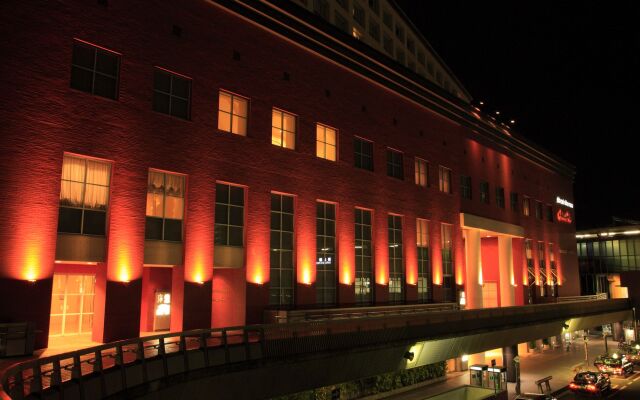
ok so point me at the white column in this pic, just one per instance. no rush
(473, 278)
(505, 268)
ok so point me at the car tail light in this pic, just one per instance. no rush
(592, 388)
(573, 385)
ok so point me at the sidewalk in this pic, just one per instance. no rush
(555, 362)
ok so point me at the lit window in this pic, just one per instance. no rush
(281, 281)
(283, 129)
(233, 112)
(95, 70)
(229, 215)
(171, 94)
(326, 142)
(526, 206)
(394, 164)
(165, 206)
(421, 172)
(445, 179)
(364, 264)
(396, 259)
(84, 196)
(542, 269)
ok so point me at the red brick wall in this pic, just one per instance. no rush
(42, 118)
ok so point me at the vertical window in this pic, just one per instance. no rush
(531, 272)
(394, 164)
(553, 284)
(538, 209)
(341, 22)
(447, 261)
(421, 172)
(326, 142)
(374, 5)
(281, 254)
(94, 70)
(500, 196)
(229, 225)
(165, 206)
(542, 267)
(321, 7)
(549, 213)
(326, 253)
(514, 202)
(396, 261)
(484, 192)
(445, 179)
(387, 43)
(283, 129)
(364, 264)
(171, 94)
(465, 187)
(84, 196)
(363, 153)
(233, 113)
(526, 206)
(374, 30)
(424, 261)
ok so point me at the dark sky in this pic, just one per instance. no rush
(567, 72)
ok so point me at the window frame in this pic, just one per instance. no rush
(423, 250)
(96, 49)
(229, 206)
(445, 185)
(232, 116)
(395, 163)
(172, 75)
(396, 273)
(164, 205)
(282, 130)
(280, 269)
(327, 291)
(466, 190)
(358, 157)
(421, 170)
(500, 200)
(324, 142)
(364, 272)
(484, 192)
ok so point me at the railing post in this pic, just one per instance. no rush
(36, 383)
(162, 353)
(247, 347)
(204, 348)
(227, 356)
(56, 376)
(120, 363)
(17, 390)
(183, 348)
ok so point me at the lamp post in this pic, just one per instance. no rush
(635, 326)
(516, 361)
(586, 350)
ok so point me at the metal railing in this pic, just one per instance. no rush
(287, 316)
(599, 296)
(107, 369)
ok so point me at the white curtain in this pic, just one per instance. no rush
(96, 192)
(175, 196)
(97, 189)
(155, 194)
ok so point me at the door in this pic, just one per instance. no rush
(72, 304)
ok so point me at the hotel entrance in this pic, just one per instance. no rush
(72, 305)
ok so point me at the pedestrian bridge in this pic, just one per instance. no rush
(264, 361)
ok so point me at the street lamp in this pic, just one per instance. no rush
(516, 361)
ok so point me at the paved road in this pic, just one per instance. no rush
(623, 389)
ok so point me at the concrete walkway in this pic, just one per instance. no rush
(534, 365)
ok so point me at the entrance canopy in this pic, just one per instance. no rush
(490, 226)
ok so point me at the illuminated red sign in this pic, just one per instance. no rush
(564, 216)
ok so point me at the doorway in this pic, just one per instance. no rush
(72, 305)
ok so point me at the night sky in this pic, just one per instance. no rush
(567, 72)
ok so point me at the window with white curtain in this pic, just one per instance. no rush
(84, 196)
(165, 206)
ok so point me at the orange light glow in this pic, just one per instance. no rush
(306, 275)
(346, 276)
(382, 273)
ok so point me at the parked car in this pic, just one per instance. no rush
(535, 396)
(632, 351)
(593, 383)
(616, 364)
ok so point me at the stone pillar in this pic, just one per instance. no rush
(474, 268)
(508, 353)
(505, 268)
